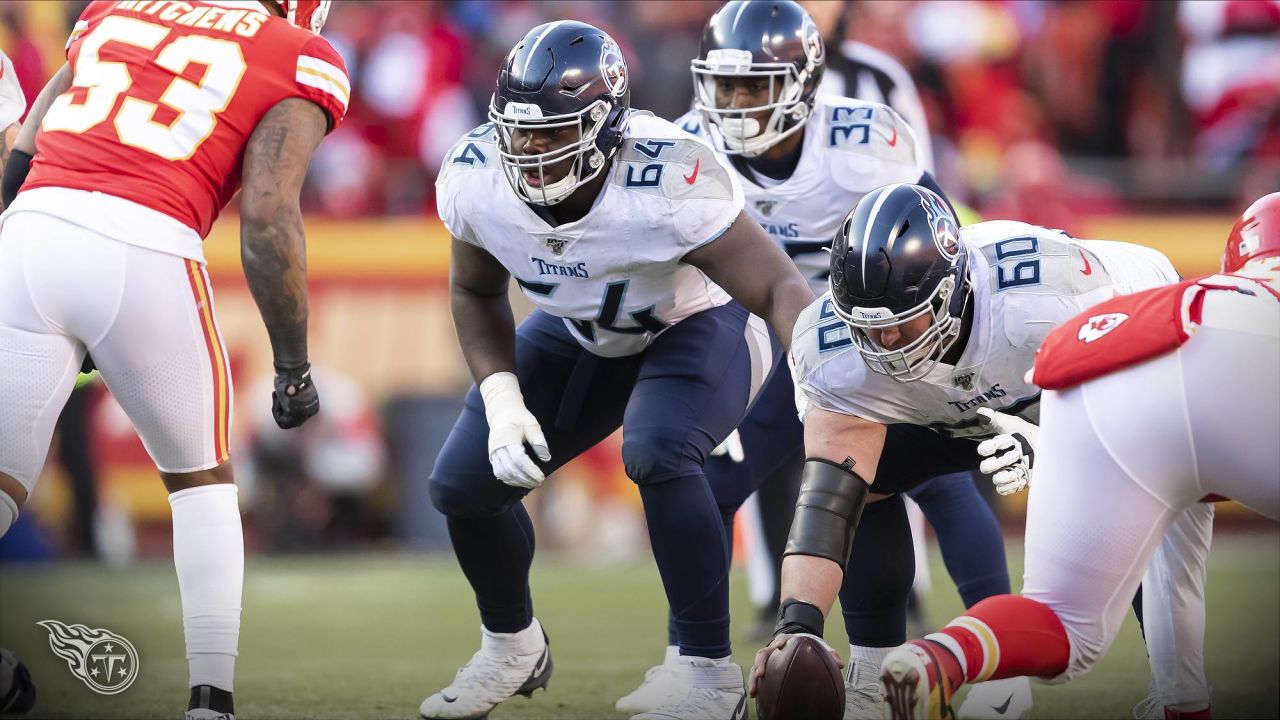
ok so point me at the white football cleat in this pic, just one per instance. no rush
(864, 693)
(661, 683)
(207, 714)
(507, 664)
(715, 692)
(995, 699)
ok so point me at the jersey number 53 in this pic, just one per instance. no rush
(97, 83)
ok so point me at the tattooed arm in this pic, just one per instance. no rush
(273, 250)
(272, 247)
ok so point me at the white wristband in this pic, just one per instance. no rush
(501, 392)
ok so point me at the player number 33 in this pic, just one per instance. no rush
(97, 83)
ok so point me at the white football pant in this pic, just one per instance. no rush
(1121, 456)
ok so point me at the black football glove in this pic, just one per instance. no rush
(294, 399)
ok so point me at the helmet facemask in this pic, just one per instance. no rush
(586, 156)
(919, 357)
(737, 132)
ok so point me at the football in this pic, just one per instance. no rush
(801, 682)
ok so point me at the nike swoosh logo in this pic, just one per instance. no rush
(740, 712)
(542, 663)
(690, 178)
(1003, 706)
(893, 141)
(1088, 269)
(448, 699)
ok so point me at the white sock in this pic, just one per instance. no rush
(8, 512)
(208, 553)
(873, 656)
(672, 655)
(526, 642)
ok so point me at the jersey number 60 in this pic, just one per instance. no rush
(101, 82)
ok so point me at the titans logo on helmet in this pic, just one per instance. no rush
(613, 68)
(813, 45)
(946, 234)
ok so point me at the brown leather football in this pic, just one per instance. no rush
(801, 682)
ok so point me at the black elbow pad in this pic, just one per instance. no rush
(15, 173)
(827, 511)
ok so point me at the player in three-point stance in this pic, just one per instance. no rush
(803, 159)
(163, 111)
(629, 237)
(1135, 393)
(927, 328)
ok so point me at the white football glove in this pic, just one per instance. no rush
(510, 426)
(732, 446)
(1011, 470)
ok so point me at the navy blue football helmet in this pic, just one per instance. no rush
(896, 257)
(562, 74)
(774, 39)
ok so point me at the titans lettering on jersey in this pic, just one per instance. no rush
(1026, 281)
(615, 276)
(850, 148)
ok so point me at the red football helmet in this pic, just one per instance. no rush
(306, 14)
(1255, 235)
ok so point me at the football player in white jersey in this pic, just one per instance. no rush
(1134, 401)
(925, 325)
(803, 159)
(12, 105)
(17, 691)
(629, 237)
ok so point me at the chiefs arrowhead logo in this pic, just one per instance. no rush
(1099, 325)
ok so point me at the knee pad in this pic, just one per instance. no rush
(657, 455)
(469, 497)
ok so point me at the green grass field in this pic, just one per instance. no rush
(370, 636)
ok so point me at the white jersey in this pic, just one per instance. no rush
(867, 73)
(616, 276)
(850, 148)
(1026, 281)
(12, 101)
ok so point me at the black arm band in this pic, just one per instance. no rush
(15, 173)
(827, 511)
(797, 616)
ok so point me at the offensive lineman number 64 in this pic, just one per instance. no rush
(103, 81)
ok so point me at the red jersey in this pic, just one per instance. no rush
(1130, 329)
(164, 96)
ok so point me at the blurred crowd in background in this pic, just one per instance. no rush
(1047, 112)
(1041, 108)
